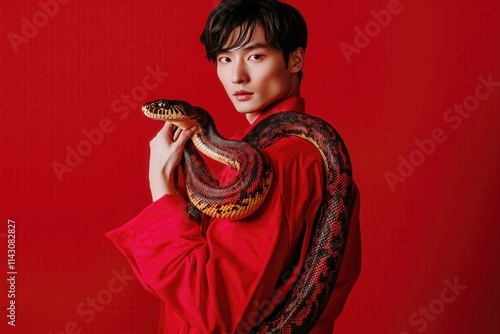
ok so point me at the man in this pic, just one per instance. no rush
(225, 276)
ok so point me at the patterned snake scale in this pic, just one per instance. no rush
(306, 300)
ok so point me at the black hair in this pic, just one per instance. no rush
(284, 27)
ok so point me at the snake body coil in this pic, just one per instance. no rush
(311, 291)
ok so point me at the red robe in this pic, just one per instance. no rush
(223, 276)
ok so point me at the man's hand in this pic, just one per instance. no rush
(165, 154)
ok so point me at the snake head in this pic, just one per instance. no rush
(168, 109)
(179, 112)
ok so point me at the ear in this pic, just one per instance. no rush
(296, 60)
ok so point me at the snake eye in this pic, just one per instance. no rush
(164, 104)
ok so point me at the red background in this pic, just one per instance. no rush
(439, 224)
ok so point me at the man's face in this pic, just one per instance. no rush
(254, 75)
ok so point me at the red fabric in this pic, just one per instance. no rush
(215, 277)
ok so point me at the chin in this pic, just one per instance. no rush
(242, 109)
(245, 110)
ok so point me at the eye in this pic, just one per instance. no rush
(256, 57)
(224, 60)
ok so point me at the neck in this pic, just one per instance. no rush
(251, 117)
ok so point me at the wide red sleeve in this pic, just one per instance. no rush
(219, 280)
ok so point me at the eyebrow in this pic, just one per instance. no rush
(255, 46)
(246, 47)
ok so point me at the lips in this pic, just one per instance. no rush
(242, 95)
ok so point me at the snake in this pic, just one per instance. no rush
(304, 303)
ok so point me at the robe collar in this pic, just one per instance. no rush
(294, 103)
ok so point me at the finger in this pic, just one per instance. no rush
(177, 133)
(185, 135)
(165, 132)
(168, 127)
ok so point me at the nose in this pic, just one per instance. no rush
(239, 73)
